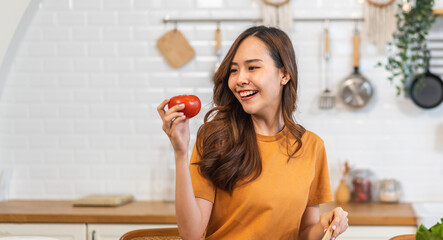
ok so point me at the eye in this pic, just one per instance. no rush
(233, 70)
(253, 68)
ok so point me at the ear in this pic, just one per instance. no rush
(285, 78)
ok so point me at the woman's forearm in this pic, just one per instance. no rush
(312, 232)
(188, 213)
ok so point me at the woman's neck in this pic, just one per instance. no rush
(268, 125)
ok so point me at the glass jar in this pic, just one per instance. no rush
(389, 191)
(361, 185)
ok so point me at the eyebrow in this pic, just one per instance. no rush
(248, 61)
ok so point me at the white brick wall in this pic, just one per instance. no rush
(77, 113)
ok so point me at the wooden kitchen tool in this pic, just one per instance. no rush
(217, 47)
(103, 200)
(328, 233)
(175, 48)
(327, 98)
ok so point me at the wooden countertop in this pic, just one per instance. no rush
(400, 214)
(19, 211)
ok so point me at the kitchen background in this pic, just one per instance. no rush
(78, 105)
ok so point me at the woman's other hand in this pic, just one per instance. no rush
(338, 218)
(176, 126)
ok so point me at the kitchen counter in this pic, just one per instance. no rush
(47, 211)
(399, 214)
(19, 211)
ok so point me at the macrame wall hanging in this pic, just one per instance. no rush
(277, 13)
(380, 22)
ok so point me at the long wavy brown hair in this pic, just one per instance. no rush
(227, 142)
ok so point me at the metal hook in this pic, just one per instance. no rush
(355, 26)
(427, 57)
(166, 19)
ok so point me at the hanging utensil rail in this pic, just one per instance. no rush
(167, 19)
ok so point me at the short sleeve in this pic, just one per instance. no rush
(320, 191)
(203, 187)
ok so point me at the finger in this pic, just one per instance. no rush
(176, 108)
(335, 221)
(169, 121)
(169, 118)
(178, 120)
(161, 107)
(171, 112)
(325, 224)
(341, 223)
(336, 213)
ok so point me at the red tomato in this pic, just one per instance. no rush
(192, 104)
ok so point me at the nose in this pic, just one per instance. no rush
(243, 78)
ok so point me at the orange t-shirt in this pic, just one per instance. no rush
(270, 207)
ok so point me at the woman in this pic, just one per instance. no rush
(254, 173)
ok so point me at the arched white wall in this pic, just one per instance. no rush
(14, 17)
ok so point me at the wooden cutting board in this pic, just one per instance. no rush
(175, 48)
(103, 200)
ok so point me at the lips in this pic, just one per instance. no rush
(247, 94)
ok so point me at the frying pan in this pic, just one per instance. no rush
(355, 90)
(428, 91)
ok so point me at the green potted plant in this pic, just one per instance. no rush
(407, 51)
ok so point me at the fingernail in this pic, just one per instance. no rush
(182, 104)
(181, 113)
(333, 238)
(334, 227)
(324, 230)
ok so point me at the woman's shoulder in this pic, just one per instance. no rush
(312, 139)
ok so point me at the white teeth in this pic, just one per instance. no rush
(247, 93)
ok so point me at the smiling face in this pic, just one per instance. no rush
(255, 80)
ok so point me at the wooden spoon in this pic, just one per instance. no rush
(217, 47)
(328, 233)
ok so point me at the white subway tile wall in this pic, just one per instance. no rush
(78, 111)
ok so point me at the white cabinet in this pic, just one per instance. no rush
(59, 231)
(375, 232)
(82, 231)
(78, 231)
(115, 231)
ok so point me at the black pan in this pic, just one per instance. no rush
(427, 92)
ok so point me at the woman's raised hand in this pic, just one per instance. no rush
(176, 126)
